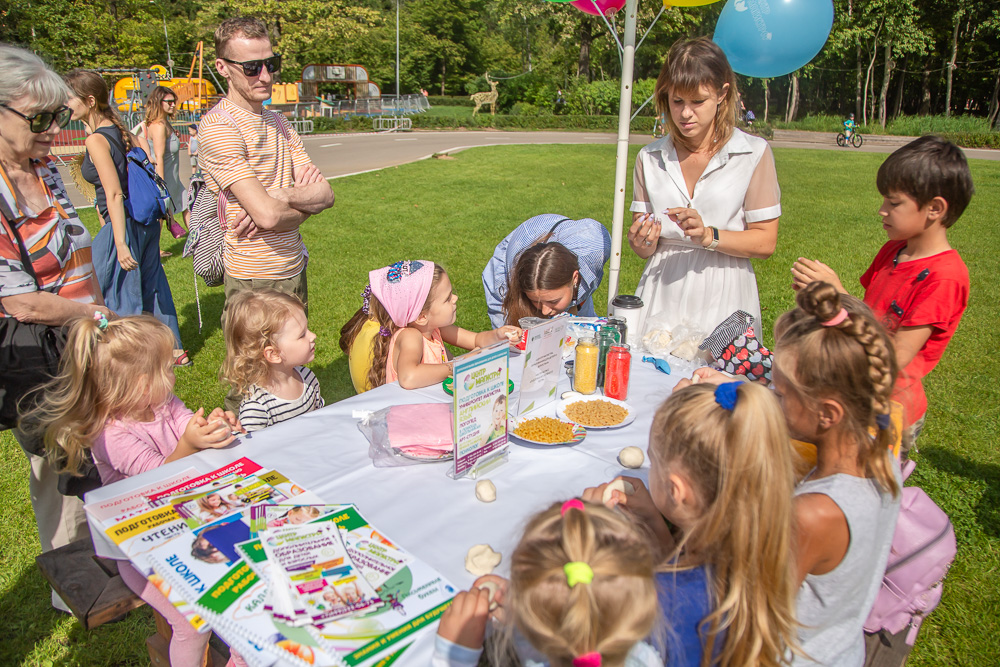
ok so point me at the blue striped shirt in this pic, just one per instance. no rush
(588, 239)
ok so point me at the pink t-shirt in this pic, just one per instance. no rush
(127, 448)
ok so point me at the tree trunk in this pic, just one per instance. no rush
(951, 63)
(888, 64)
(925, 93)
(897, 104)
(793, 99)
(583, 64)
(868, 78)
(858, 80)
(444, 65)
(527, 41)
(767, 98)
(994, 113)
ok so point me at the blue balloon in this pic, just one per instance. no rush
(769, 38)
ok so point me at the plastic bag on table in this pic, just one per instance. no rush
(404, 435)
(580, 326)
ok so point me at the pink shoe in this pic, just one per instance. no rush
(176, 230)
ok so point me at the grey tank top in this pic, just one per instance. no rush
(832, 607)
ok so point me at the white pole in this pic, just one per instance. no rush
(397, 58)
(621, 161)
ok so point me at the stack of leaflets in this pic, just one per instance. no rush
(278, 575)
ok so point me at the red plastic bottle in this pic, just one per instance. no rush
(616, 372)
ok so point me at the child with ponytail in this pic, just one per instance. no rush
(834, 373)
(721, 474)
(581, 593)
(413, 304)
(114, 398)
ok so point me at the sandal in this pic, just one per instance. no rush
(176, 230)
(165, 253)
(182, 359)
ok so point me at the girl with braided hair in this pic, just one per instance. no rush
(581, 593)
(834, 373)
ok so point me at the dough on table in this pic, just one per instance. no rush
(631, 457)
(492, 587)
(617, 485)
(486, 491)
(481, 560)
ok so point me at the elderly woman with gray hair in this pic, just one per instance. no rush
(46, 276)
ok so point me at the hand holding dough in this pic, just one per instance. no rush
(481, 559)
(617, 485)
(631, 457)
(486, 491)
(492, 587)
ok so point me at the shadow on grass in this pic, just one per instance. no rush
(334, 379)
(211, 317)
(987, 510)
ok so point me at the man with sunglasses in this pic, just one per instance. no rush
(256, 160)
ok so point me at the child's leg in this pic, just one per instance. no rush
(909, 440)
(187, 645)
(236, 660)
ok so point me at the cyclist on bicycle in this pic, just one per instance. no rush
(849, 126)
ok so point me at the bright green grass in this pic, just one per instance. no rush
(450, 112)
(912, 126)
(454, 212)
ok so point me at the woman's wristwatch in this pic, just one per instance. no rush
(715, 239)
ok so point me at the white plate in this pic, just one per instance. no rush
(445, 456)
(561, 410)
(579, 433)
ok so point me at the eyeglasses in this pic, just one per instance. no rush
(42, 121)
(253, 67)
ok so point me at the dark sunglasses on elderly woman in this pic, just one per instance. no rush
(42, 121)
(253, 67)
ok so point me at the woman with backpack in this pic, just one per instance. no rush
(125, 253)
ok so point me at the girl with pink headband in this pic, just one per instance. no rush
(581, 593)
(414, 305)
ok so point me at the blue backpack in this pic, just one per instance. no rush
(147, 193)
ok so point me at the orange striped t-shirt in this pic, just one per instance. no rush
(259, 150)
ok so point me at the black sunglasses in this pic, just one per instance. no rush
(253, 67)
(42, 121)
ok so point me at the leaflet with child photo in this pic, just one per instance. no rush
(239, 468)
(263, 517)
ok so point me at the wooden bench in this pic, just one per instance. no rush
(94, 591)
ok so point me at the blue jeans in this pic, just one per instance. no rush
(142, 289)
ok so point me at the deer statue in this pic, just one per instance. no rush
(486, 98)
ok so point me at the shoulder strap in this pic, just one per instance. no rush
(25, 255)
(282, 124)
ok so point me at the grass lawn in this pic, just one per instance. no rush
(453, 212)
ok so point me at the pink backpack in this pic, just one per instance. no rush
(923, 548)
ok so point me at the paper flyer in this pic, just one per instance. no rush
(241, 467)
(140, 534)
(207, 506)
(480, 408)
(135, 502)
(542, 364)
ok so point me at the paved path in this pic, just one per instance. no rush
(346, 154)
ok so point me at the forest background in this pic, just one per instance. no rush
(883, 59)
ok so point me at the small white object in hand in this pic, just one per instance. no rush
(486, 491)
(631, 457)
(617, 485)
(481, 560)
(492, 587)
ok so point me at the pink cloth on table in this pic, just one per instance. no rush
(126, 448)
(427, 426)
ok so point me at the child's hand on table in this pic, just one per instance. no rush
(704, 375)
(510, 332)
(227, 418)
(464, 621)
(805, 271)
(200, 433)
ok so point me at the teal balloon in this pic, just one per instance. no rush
(769, 38)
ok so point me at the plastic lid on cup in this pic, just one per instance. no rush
(627, 301)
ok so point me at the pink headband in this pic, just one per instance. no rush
(836, 319)
(573, 503)
(592, 659)
(402, 289)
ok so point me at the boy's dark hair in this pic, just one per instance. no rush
(193, 126)
(926, 168)
(238, 26)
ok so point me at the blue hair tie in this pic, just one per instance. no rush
(883, 421)
(726, 394)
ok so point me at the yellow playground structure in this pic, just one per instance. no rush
(194, 94)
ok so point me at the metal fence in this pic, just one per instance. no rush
(70, 141)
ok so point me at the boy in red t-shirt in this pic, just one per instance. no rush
(917, 285)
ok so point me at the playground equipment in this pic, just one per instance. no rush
(194, 94)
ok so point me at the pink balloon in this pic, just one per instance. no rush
(606, 7)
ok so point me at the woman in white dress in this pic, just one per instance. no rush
(166, 146)
(705, 200)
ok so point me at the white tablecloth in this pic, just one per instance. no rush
(429, 514)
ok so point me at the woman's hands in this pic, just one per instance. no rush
(690, 222)
(644, 234)
(464, 621)
(125, 259)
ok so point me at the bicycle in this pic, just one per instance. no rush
(856, 139)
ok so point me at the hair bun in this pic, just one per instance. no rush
(819, 299)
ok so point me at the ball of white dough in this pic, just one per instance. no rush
(617, 485)
(481, 559)
(492, 587)
(486, 491)
(631, 457)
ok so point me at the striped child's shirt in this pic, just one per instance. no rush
(260, 408)
(259, 149)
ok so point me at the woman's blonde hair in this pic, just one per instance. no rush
(852, 362)
(374, 311)
(253, 320)
(86, 83)
(609, 615)
(117, 373)
(691, 64)
(154, 106)
(739, 463)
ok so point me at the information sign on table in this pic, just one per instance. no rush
(542, 363)
(480, 409)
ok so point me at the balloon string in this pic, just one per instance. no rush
(614, 33)
(662, 9)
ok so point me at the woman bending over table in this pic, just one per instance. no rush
(706, 198)
(548, 265)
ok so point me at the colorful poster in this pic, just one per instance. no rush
(134, 502)
(542, 363)
(480, 407)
